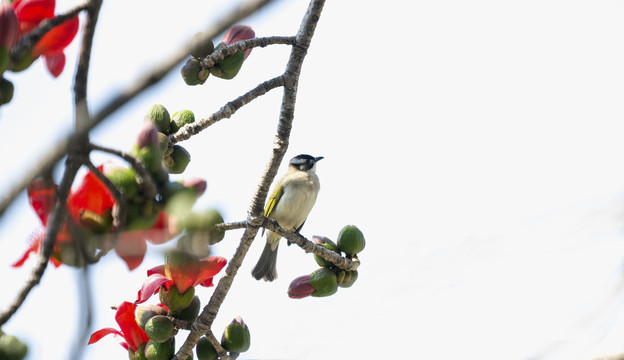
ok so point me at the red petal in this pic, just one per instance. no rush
(183, 269)
(98, 335)
(90, 195)
(42, 198)
(160, 269)
(209, 267)
(55, 63)
(57, 39)
(131, 248)
(34, 243)
(150, 287)
(133, 334)
(31, 12)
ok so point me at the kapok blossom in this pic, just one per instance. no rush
(133, 336)
(182, 270)
(30, 13)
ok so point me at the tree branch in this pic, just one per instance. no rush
(226, 111)
(204, 321)
(217, 56)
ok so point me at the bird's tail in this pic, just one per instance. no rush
(266, 266)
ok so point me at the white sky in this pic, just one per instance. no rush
(478, 146)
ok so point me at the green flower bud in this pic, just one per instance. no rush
(11, 348)
(190, 313)
(145, 312)
(229, 66)
(159, 350)
(236, 337)
(123, 178)
(142, 216)
(182, 118)
(324, 281)
(6, 91)
(159, 328)
(201, 49)
(178, 160)
(139, 354)
(202, 224)
(174, 301)
(98, 224)
(349, 279)
(328, 244)
(351, 240)
(205, 350)
(192, 72)
(159, 115)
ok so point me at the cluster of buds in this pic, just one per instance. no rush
(326, 280)
(148, 330)
(18, 19)
(11, 348)
(155, 206)
(236, 339)
(195, 73)
(174, 158)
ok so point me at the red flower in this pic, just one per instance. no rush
(30, 13)
(182, 270)
(91, 195)
(131, 333)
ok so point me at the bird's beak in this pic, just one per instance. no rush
(318, 158)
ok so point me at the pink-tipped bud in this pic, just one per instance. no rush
(238, 33)
(197, 184)
(148, 136)
(9, 25)
(300, 287)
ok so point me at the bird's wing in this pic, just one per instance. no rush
(274, 199)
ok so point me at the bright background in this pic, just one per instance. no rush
(478, 146)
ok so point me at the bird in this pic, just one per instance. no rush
(292, 200)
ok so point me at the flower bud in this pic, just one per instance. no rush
(351, 240)
(178, 160)
(148, 136)
(349, 279)
(197, 184)
(6, 91)
(192, 72)
(229, 66)
(191, 312)
(328, 244)
(174, 301)
(205, 350)
(145, 312)
(201, 49)
(181, 118)
(123, 178)
(236, 337)
(159, 115)
(159, 328)
(147, 148)
(159, 350)
(203, 223)
(11, 348)
(139, 354)
(324, 281)
(8, 33)
(238, 33)
(300, 288)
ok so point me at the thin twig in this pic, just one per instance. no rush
(217, 56)
(310, 247)
(226, 111)
(204, 321)
(144, 179)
